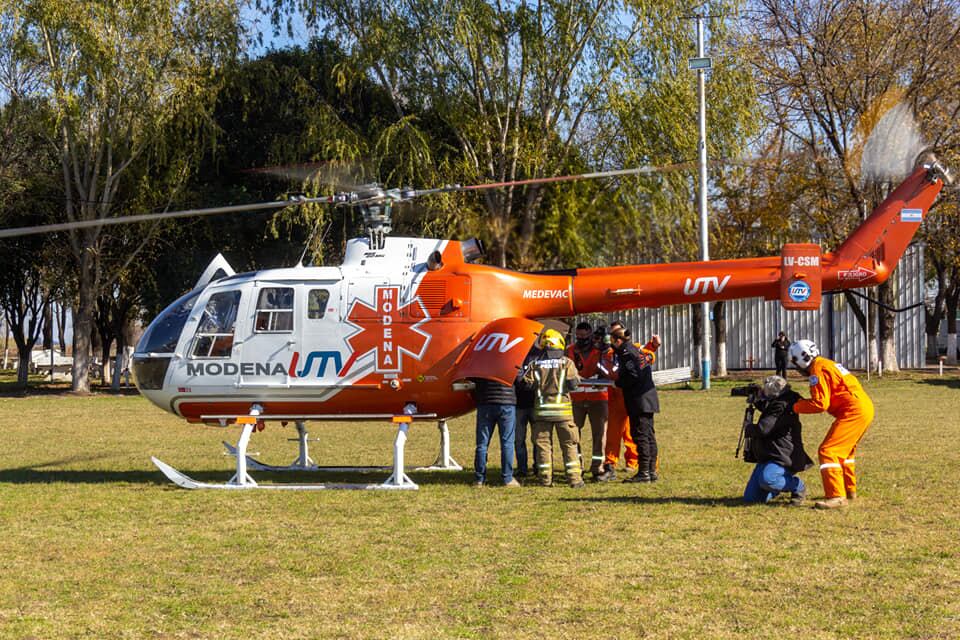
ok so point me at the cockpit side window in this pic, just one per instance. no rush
(317, 303)
(214, 337)
(275, 310)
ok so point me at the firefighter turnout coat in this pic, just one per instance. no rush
(553, 376)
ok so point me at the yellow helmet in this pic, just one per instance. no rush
(551, 339)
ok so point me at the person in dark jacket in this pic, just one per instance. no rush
(777, 445)
(496, 406)
(524, 417)
(635, 377)
(781, 347)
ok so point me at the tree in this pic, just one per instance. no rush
(118, 77)
(829, 72)
(22, 299)
(942, 253)
(520, 91)
(26, 197)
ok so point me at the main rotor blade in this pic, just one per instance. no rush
(147, 217)
(354, 198)
(342, 176)
(570, 178)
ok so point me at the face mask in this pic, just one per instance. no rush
(583, 343)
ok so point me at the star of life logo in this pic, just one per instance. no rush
(381, 331)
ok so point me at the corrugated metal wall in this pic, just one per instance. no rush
(752, 324)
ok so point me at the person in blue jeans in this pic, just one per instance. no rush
(776, 444)
(496, 407)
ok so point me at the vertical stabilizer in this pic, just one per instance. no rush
(872, 251)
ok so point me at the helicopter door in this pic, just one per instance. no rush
(364, 308)
(323, 351)
(272, 335)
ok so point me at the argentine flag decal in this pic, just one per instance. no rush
(911, 215)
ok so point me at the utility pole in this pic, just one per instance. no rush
(701, 64)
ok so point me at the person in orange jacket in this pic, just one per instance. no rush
(838, 392)
(591, 402)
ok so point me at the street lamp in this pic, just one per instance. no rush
(701, 63)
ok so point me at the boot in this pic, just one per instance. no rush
(606, 474)
(577, 483)
(640, 476)
(797, 497)
(831, 503)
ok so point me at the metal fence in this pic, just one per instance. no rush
(752, 325)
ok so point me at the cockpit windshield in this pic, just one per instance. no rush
(164, 332)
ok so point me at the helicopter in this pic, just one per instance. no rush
(397, 330)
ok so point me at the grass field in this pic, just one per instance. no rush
(96, 544)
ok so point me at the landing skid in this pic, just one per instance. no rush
(256, 465)
(304, 463)
(444, 461)
(186, 482)
(242, 479)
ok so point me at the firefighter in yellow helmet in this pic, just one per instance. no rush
(552, 376)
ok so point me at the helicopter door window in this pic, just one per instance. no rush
(214, 337)
(317, 303)
(275, 310)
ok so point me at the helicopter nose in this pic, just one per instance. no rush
(149, 371)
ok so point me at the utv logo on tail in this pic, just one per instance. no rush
(703, 285)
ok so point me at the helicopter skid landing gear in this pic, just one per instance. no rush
(242, 480)
(303, 462)
(445, 461)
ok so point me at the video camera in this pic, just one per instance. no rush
(748, 391)
(745, 443)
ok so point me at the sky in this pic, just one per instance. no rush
(261, 29)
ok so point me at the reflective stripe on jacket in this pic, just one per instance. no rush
(552, 377)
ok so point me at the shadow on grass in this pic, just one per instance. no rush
(11, 390)
(43, 474)
(950, 383)
(694, 500)
(33, 475)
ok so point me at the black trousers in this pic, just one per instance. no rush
(781, 362)
(641, 430)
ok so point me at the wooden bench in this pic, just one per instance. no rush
(40, 362)
(672, 376)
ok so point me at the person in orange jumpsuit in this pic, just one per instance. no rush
(618, 422)
(838, 392)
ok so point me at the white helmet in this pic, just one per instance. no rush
(802, 353)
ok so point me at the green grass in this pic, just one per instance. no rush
(96, 544)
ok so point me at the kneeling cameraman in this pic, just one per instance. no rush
(776, 444)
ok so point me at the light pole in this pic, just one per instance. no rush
(701, 64)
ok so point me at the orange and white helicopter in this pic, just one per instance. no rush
(394, 331)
